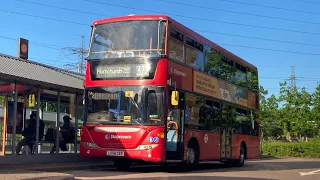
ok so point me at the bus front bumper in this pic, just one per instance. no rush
(148, 153)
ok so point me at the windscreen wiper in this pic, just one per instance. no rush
(136, 105)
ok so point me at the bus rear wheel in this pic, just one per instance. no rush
(240, 162)
(122, 164)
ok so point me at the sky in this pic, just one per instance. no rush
(273, 35)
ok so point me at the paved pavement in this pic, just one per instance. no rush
(16, 174)
(44, 171)
(261, 169)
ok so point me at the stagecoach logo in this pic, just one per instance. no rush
(117, 137)
(107, 136)
(177, 72)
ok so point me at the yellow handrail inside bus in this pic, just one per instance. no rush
(172, 122)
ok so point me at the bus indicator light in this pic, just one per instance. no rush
(161, 135)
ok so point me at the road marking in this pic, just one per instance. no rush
(310, 173)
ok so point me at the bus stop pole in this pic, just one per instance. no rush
(37, 120)
(76, 124)
(58, 122)
(14, 125)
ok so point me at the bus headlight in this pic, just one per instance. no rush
(90, 145)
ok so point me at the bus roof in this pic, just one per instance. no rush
(130, 17)
(184, 30)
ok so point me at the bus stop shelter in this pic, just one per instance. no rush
(50, 92)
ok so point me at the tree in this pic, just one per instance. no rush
(269, 109)
(295, 114)
(316, 110)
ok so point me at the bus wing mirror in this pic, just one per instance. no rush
(174, 98)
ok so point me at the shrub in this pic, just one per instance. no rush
(309, 149)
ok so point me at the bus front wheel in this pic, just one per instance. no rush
(192, 158)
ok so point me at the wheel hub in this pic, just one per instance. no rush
(241, 155)
(191, 155)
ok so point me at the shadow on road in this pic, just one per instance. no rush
(262, 165)
(196, 178)
(219, 167)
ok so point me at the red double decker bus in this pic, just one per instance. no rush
(159, 92)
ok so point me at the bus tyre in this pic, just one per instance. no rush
(192, 158)
(240, 162)
(122, 164)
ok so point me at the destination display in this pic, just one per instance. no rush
(103, 96)
(120, 71)
(123, 68)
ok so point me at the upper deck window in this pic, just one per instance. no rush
(177, 35)
(176, 46)
(128, 39)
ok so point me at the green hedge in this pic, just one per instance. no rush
(309, 149)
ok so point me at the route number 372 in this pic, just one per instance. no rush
(142, 71)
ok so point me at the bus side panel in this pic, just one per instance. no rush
(253, 149)
(208, 145)
(237, 139)
(252, 144)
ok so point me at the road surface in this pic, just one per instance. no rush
(262, 169)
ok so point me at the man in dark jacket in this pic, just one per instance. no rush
(29, 132)
(66, 135)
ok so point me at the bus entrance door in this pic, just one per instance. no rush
(226, 132)
(175, 119)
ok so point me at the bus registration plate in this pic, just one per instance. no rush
(115, 153)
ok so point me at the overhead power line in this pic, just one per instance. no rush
(241, 46)
(258, 38)
(41, 17)
(267, 49)
(35, 43)
(286, 78)
(50, 46)
(205, 19)
(305, 53)
(226, 34)
(270, 7)
(234, 45)
(308, 2)
(48, 60)
(237, 12)
(41, 31)
(67, 9)
(81, 52)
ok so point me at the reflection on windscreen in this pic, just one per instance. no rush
(128, 39)
(126, 105)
